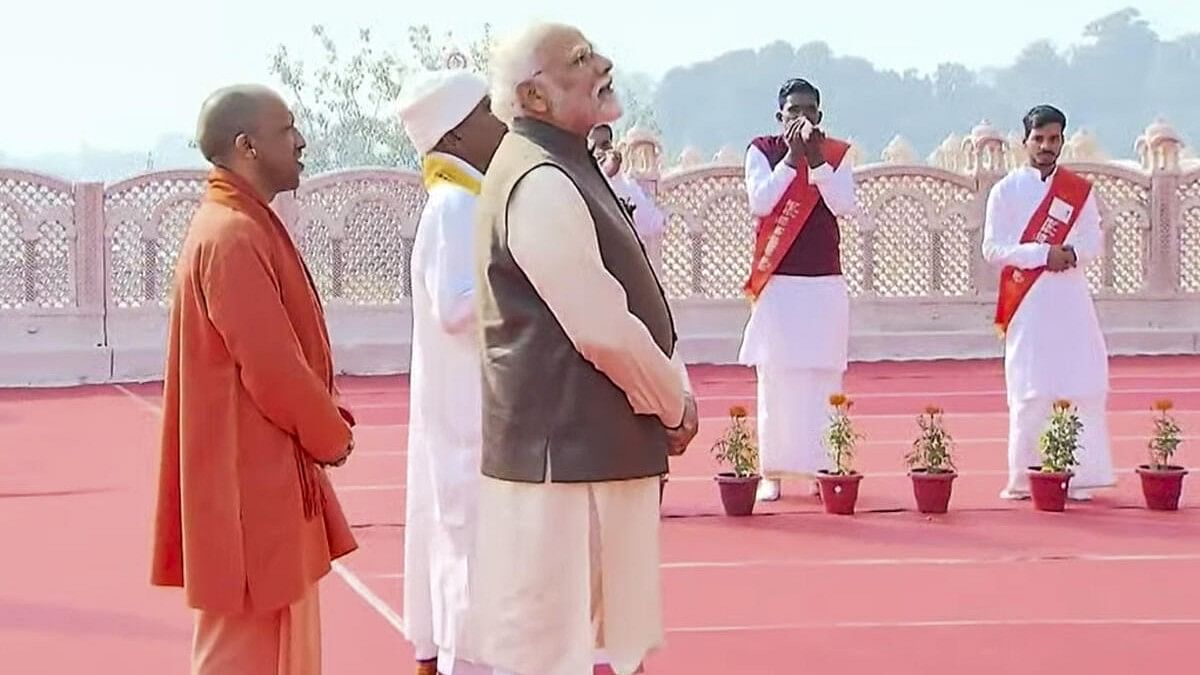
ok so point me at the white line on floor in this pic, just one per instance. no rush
(939, 394)
(397, 622)
(883, 474)
(899, 441)
(952, 416)
(928, 394)
(385, 487)
(898, 562)
(967, 623)
(374, 601)
(140, 400)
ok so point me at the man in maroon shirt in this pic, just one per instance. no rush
(798, 183)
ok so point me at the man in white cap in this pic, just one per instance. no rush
(447, 116)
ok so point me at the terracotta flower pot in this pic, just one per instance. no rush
(839, 494)
(1162, 487)
(1049, 489)
(932, 490)
(738, 493)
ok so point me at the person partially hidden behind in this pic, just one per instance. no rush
(448, 118)
(648, 219)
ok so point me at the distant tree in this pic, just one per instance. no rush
(1039, 75)
(344, 105)
(1109, 88)
(1114, 82)
(636, 92)
(1171, 81)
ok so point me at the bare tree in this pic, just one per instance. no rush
(344, 103)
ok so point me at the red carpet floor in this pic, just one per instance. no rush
(992, 587)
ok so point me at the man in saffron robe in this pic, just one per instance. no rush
(1043, 227)
(247, 522)
(447, 117)
(798, 183)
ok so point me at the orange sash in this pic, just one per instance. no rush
(779, 230)
(1050, 224)
(230, 190)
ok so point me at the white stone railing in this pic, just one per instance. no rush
(85, 269)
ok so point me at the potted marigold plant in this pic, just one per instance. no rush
(930, 465)
(1057, 445)
(1162, 481)
(839, 486)
(737, 449)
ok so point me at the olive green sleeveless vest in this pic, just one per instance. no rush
(548, 414)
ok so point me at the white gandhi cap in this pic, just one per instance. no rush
(434, 102)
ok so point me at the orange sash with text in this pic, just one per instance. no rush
(1050, 224)
(778, 230)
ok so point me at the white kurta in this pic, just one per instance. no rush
(565, 570)
(648, 219)
(1054, 347)
(797, 333)
(445, 427)
(798, 322)
(571, 573)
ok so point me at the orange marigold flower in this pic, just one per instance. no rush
(1062, 404)
(737, 411)
(1163, 405)
(932, 410)
(837, 400)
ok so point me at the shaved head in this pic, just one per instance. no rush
(249, 130)
(229, 112)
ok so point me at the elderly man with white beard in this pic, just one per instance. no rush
(584, 393)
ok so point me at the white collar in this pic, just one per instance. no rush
(1036, 174)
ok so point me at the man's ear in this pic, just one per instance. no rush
(531, 99)
(820, 116)
(779, 116)
(243, 146)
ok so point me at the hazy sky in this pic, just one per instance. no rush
(118, 74)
